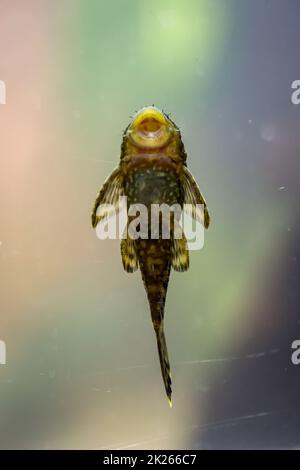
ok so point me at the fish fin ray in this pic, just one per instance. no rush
(129, 255)
(108, 195)
(192, 197)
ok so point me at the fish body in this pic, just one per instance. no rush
(153, 171)
(154, 179)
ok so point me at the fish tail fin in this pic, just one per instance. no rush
(163, 358)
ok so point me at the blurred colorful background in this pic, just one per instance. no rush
(82, 368)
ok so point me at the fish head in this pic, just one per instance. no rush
(150, 128)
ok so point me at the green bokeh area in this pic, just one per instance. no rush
(123, 53)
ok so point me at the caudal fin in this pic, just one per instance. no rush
(164, 360)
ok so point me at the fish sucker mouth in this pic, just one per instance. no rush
(150, 129)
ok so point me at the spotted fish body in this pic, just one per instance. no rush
(153, 170)
(154, 180)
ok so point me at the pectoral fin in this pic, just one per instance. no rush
(107, 201)
(193, 199)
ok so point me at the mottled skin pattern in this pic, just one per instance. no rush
(153, 175)
(154, 179)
